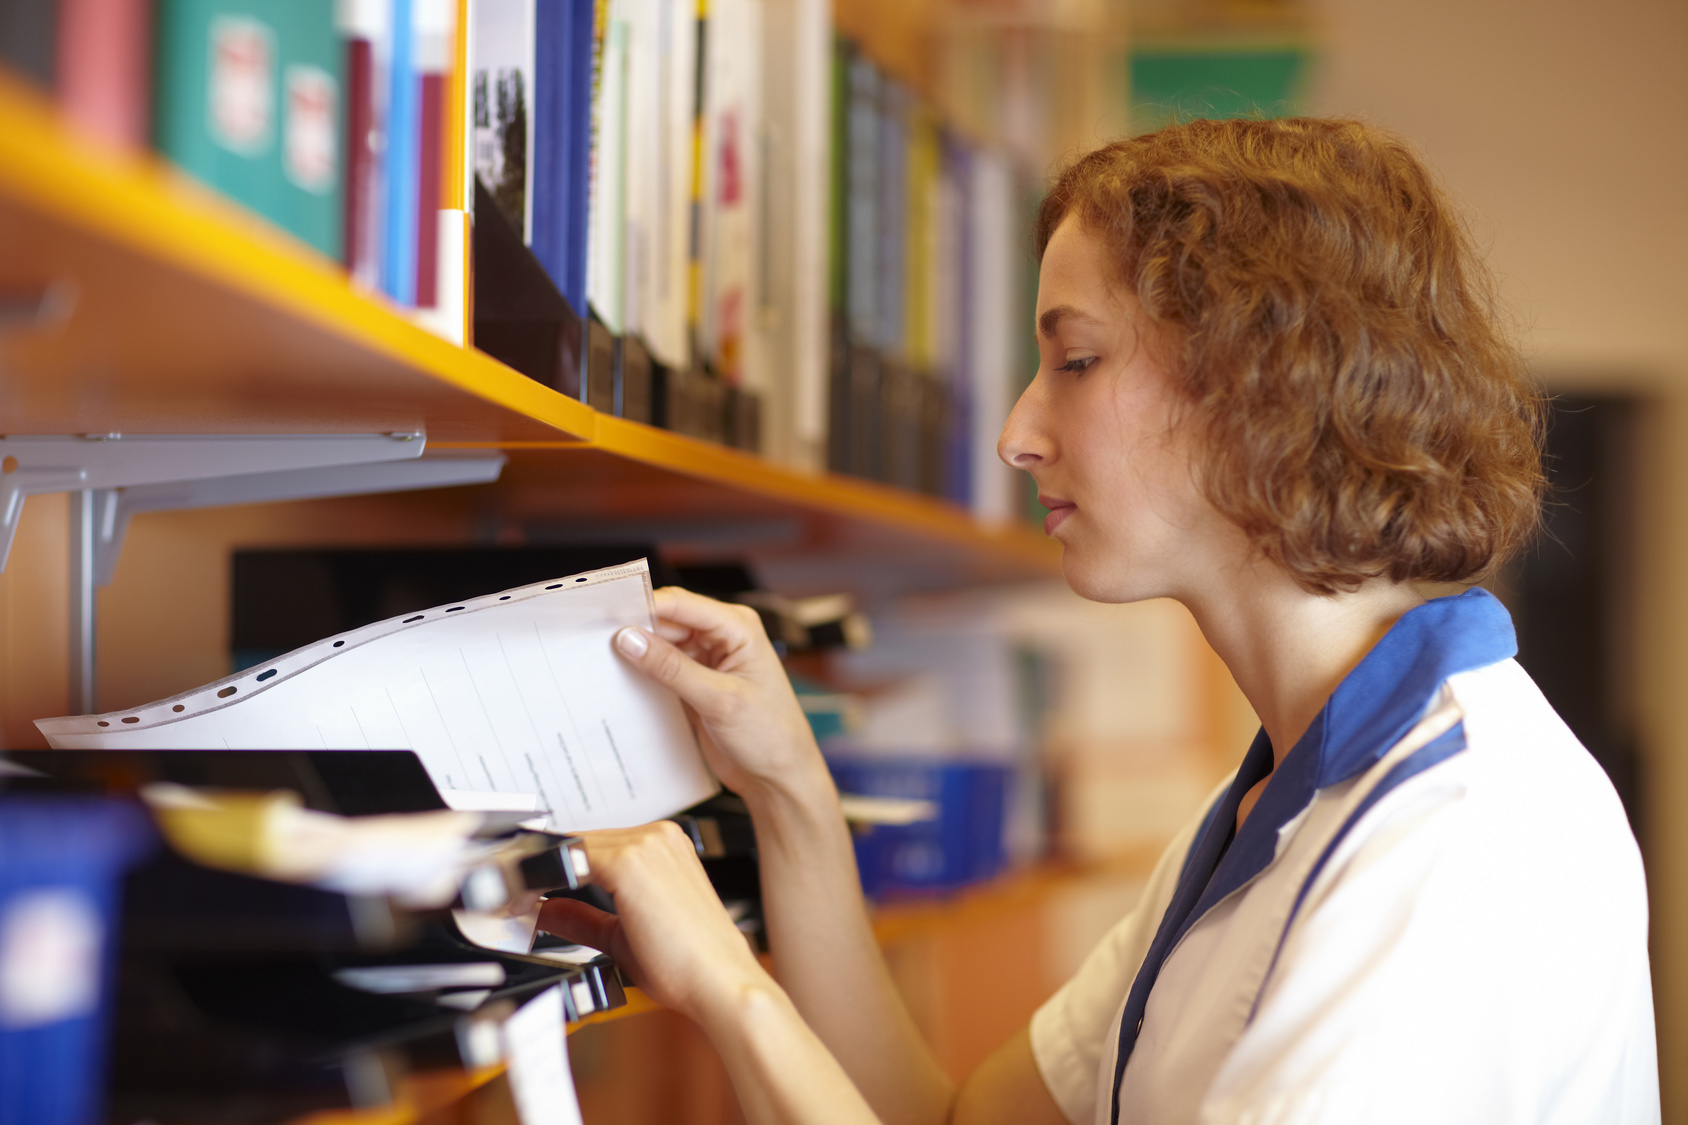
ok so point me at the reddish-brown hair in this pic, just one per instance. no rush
(1326, 312)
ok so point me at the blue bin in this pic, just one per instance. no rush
(963, 845)
(62, 861)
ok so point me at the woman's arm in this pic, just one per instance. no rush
(719, 661)
(672, 936)
(826, 956)
(717, 658)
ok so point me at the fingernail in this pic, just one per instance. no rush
(632, 641)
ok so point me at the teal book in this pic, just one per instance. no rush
(249, 98)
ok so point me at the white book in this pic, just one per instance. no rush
(517, 692)
(795, 330)
(994, 329)
(670, 248)
(643, 192)
(732, 148)
(606, 223)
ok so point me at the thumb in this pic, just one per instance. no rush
(667, 665)
(579, 922)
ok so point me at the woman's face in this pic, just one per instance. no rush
(1101, 431)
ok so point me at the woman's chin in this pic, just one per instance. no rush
(1112, 581)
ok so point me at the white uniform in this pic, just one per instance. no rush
(1435, 913)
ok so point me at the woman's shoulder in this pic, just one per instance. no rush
(1520, 753)
(1523, 807)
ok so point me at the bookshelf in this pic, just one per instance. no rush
(190, 315)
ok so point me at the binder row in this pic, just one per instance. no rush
(154, 971)
(715, 217)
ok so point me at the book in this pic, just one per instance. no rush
(247, 97)
(730, 206)
(520, 316)
(990, 325)
(662, 64)
(365, 27)
(435, 37)
(792, 316)
(563, 142)
(103, 68)
(605, 248)
(518, 692)
(401, 141)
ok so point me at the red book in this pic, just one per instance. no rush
(428, 191)
(361, 162)
(103, 68)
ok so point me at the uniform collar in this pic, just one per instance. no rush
(1373, 708)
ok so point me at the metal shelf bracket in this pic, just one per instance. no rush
(116, 476)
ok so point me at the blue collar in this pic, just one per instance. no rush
(1373, 708)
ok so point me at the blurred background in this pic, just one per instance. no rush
(873, 322)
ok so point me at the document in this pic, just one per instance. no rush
(518, 692)
(536, 1048)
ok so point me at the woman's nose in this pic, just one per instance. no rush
(1023, 444)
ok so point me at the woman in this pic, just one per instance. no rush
(1271, 386)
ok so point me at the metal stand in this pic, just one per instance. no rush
(82, 566)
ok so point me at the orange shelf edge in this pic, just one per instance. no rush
(139, 201)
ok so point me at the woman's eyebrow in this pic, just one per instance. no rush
(1051, 319)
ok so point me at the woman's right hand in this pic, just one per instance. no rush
(717, 658)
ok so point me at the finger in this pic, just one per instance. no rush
(579, 922)
(703, 688)
(733, 626)
(668, 631)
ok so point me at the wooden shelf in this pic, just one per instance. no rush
(191, 315)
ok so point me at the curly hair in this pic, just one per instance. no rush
(1327, 314)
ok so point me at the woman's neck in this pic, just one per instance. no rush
(1289, 649)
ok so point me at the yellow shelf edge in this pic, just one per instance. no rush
(139, 201)
(842, 495)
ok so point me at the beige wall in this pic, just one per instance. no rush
(1564, 126)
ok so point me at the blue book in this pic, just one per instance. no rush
(563, 142)
(400, 160)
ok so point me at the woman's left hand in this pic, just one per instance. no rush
(670, 932)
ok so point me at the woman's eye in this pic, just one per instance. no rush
(1077, 366)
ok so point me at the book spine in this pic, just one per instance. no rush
(104, 50)
(403, 139)
(358, 251)
(577, 164)
(549, 188)
(431, 119)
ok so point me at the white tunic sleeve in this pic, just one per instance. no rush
(1075, 1027)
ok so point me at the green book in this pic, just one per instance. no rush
(249, 98)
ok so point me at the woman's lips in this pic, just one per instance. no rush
(1059, 510)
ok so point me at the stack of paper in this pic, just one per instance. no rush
(518, 693)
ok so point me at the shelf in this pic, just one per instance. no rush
(191, 315)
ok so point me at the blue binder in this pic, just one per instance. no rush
(62, 861)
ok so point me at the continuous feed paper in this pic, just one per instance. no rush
(518, 692)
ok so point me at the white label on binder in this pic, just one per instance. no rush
(519, 692)
(536, 1045)
(49, 957)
